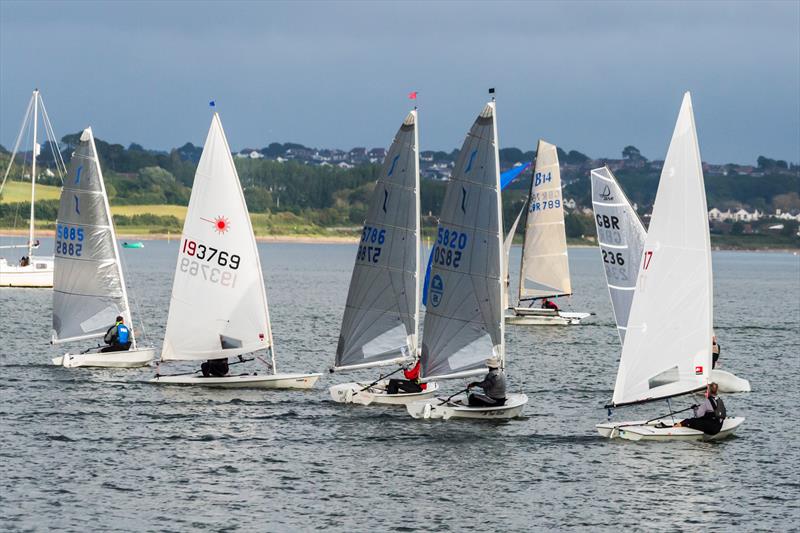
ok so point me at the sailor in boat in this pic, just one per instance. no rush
(547, 304)
(493, 385)
(25, 261)
(216, 368)
(118, 337)
(410, 384)
(715, 350)
(708, 416)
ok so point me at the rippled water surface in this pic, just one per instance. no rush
(102, 450)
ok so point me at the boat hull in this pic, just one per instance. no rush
(376, 395)
(523, 316)
(639, 430)
(242, 381)
(435, 408)
(728, 382)
(127, 359)
(39, 274)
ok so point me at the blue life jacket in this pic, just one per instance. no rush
(123, 334)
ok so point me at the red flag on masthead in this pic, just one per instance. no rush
(412, 95)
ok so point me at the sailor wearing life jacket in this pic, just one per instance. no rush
(708, 416)
(118, 337)
(493, 385)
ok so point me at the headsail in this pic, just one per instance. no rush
(620, 234)
(381, 317)
(545, 265)
(88, 285)
(219, 304)
(464, 315)
(667, 348)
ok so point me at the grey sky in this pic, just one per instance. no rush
(591, 76)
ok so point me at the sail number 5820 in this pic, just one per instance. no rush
(208, 253)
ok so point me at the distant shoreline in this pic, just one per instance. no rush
(340, 239)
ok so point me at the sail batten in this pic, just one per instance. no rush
(667, 348)
(218, 306)
(88, 283)
(621, 236)
(464, 315)
(381, 316)
(544, 267)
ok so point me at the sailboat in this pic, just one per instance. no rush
(621, 236)
(31, 271)
(544, 267)
(381, 317)
(89, 290)
(667, 348)
(464, 315)
(218, 307)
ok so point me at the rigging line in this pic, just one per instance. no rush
(135, 299)
(62, 170)
(22, 128)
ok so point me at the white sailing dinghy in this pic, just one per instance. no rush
(667, 348)
(218, 307)
(464, 315)
(89, 287)
(544, 268)
(621, 237)
(33, 271)
(381, 317)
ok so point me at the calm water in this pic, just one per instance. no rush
(88, 449)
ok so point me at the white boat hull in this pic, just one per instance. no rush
(523, 316)
(352, 393)
(729, 383)
(639, 430)
(243, 381)
(127, 359)
(39, 274)
(438, 408)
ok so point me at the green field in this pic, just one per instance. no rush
(178, 211)
(20, 191)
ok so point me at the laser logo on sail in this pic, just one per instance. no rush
(606, 194)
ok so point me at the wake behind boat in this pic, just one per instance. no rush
(667, 343)
(218, 307)
(544, 267)
(89, 289)
(381, 317)
(464, 315)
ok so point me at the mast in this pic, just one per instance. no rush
(418, 230)
(33, 167)
(500, 244)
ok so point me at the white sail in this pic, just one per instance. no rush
(544, 271)
(667, 348)
(507, 244)
(620, 234)
(88, 286)
(381, 316)
(464, 315)
(219, 305)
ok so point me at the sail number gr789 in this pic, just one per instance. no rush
(203, 260)
(449, 247)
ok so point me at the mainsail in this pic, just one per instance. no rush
(219, 303)
(88, 285)
(544, 271)
(381, 316)
(667, 349)
(620, 234)
(464, 314)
